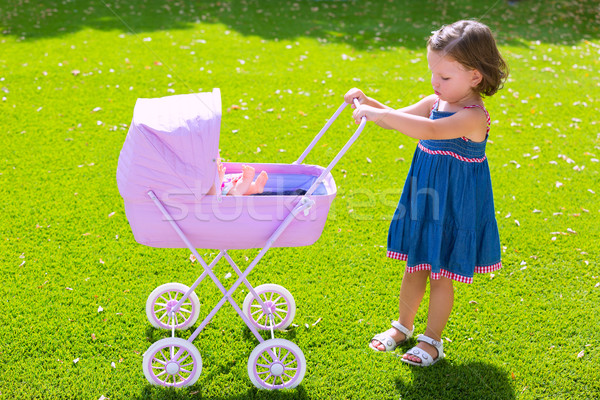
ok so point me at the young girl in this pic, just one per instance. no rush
(444, 226)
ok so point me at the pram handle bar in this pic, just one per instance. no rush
(323, 130)
(340, 153)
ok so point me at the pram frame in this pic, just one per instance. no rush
(303, 205)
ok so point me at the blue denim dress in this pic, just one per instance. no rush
(445, 221)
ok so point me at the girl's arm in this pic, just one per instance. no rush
(422, 109)
(470, 122)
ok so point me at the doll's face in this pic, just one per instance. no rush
(451, 81)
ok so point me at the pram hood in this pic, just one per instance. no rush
(172, 146)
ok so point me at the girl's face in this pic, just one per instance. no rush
(451, 81)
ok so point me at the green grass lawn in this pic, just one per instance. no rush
(74, 282)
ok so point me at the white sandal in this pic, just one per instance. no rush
(426, 359)
(387, 341)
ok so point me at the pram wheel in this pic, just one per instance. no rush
(277, 299)
(162, 300)
(172, 362)
(276, 364)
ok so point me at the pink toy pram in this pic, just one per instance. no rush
(167, 165)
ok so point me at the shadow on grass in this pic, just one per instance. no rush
(473, 380)
(288, 334)
(195, 392)
(360, 24)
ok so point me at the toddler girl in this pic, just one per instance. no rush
(444, 226)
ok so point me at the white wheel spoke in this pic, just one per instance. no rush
(158, 361)
(275, 301)
(283, 359)
(156, 311)
(290, 377)
(178, 356)
(291, 362)
(264, 358)
(163, 356)
(162, 296)
(187, 365)
(163, 317)
(279, 316)
(182, 317)
(258, 311)
(262, 372)
(184, 359)
(277, 351)
(273, 352)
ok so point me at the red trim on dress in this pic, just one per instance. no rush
(451, 153)
(446, 274)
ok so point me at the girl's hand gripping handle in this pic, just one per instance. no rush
(357, 104)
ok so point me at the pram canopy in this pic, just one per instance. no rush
(172, 146)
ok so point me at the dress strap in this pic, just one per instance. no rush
(487, 114)
(435, 105)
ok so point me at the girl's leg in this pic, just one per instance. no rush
(441, 301)
(411, 293)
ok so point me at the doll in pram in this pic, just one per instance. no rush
(243, 184)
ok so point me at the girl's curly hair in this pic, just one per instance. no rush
(472, 44)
